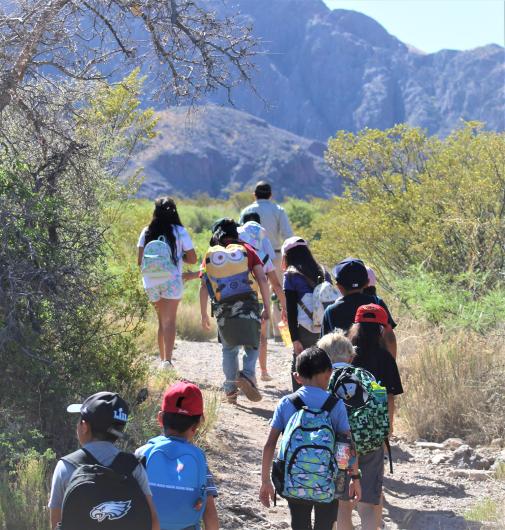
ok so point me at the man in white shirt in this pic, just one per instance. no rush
(275, 221)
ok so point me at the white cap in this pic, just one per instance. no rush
(292, 242)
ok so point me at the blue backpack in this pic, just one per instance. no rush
(305, 468)
(177, 473)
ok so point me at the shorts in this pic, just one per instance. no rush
(170, 289)
(371, 466)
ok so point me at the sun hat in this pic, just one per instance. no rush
(351, 273)
(292, 242)
(183, 398)
(372, 279)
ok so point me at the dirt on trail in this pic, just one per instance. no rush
(424, 492)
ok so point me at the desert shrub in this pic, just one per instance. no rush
(452, 383)
(189, 325)
(300, 214)
(24, 493)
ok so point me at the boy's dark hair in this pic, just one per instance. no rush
(371, 290)
(366, 337)
(178, 422)
(251, 216)
(263, 190)
(311, 362)
(105, 436)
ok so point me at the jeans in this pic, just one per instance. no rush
(325, 515)
(231, 364)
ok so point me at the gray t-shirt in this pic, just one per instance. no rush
(104, 452)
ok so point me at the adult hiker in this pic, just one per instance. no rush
(275, 221)
(229, 270)
(163, 246)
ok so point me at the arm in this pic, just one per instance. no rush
(140, 255)
(189, 256)
(259, 274)
(292, 312)
(204, 298)
(210, 517)
(276, 286)
(267, 491)
(389, 341)
(155, 525)
(391, 412)
(55, 516)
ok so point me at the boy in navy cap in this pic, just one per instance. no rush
(352, 277)
(102, 419)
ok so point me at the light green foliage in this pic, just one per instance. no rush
(413, 199)
(487, 511)
(24, 494)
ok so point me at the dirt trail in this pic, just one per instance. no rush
(419, 495)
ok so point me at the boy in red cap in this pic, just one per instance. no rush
(182, 485)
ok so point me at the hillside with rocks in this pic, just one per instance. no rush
(217, 151)
(326, 70)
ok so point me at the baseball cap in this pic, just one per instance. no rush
(351, 273)
(372, 279)
(183, 398)
(103, 411)
(372, 313)
(292, 242)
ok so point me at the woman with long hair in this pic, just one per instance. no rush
(169, 246)
(301, 274)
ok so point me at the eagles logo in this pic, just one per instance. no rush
(111, 510)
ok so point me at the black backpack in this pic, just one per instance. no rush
(104, 497)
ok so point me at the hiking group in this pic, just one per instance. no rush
(334, 427)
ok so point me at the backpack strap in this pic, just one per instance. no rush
(330, 403)
(296, 401)
(390, 456)
(124, 463)
(81, 457)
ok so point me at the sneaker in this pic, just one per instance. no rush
(231, 397)
(166, 365)
(265, 376)
(248, 387)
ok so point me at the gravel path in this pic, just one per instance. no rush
(420, 495)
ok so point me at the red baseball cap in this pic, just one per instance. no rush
(183, 398)
(372, 313)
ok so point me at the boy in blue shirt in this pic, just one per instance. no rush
(313, 372)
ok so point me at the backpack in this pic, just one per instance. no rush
(100, 497)
(177, 472)
(367, 406)
(226, 272)
(305, 468)
(312, 305)
(157, 260)
(253, 234)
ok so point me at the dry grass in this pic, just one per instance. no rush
(453, 384)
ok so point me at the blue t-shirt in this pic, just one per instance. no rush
(314, 398)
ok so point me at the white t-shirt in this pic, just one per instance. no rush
(183, 244)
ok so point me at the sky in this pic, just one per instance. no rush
(433, 25)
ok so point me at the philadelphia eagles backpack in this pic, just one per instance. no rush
(157, 260)
(177, 472)
(305, 468)
(106, 498)
(367, 406)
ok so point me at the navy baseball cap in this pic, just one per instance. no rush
(351, 273)
(104, 411)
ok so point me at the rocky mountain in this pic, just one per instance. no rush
(326, 70)
(217, 150)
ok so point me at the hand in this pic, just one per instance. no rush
(206, 322)
(297, 347)
(284, 315)
(355, 490)
(267, 492)
(189, 275)
(265, 314)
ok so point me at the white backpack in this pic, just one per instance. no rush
(312, 305)
(157, 260)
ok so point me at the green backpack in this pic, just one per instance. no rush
(367, 406)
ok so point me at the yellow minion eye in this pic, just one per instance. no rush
(236, 255)
(218, 258)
